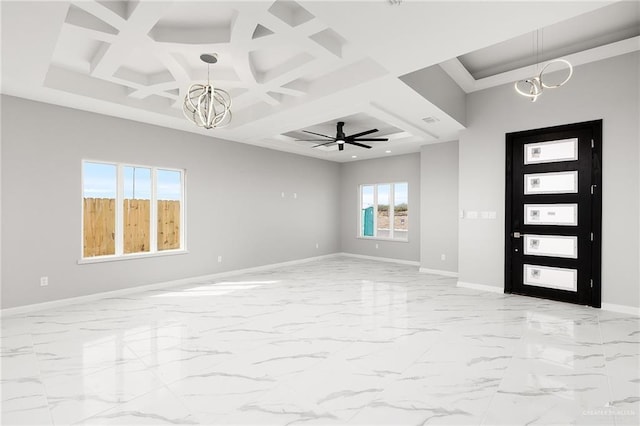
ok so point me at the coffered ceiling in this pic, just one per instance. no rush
(294, 65)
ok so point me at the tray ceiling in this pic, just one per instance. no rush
(288, 65)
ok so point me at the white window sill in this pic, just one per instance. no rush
(133, 256)
(393, 240)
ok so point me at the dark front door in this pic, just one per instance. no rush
(553, 213)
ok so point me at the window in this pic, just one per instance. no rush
(384, 211)
(131, 210)
(136, 212)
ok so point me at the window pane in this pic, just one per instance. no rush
(551, 183)
(383, 211)
(400, 210)
(136, 211)
(551, 152)
(366, 206)
(169, 196)
(551, 214)
(546, 276)
(551, 245)
(99, 209)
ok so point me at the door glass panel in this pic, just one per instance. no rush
(551, 183)
(546, 276)
(551, 152)
(551, 245)
(551, 214)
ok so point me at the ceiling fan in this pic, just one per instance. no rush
(342, 139)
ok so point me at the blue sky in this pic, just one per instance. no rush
(401, 194)
(100, 182)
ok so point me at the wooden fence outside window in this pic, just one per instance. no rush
(99, 226)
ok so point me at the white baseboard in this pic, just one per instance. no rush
(382, 259)
(481, 287)
(439, 272)
(630, 310)
(623, 309)
(158, 286)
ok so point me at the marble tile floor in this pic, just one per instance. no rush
(341, 341)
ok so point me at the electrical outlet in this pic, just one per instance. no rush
(377, 246)
(295, 195)
(44, 281)
(282, 194)
(317, 245)
(443, 256)
(219, 259)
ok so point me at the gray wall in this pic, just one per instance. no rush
(605, 90)
(439, 206)
(435, 85)
(234, 203)
(400, 168)
(234, 206)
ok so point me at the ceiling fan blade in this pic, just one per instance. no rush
(362, 133)
(371, 139)
(311, 140)
(357, 144)
(318, 134)
(324, 144)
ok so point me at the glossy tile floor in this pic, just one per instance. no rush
(338, 341)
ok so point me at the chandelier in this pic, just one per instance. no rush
(532, 87)
(207, 106)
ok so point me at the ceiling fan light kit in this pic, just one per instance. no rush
(341, 139)
(205, 105)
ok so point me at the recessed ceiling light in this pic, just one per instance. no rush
(388, 152)
(354, 156)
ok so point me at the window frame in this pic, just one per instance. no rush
(359, 231)
(153, 215)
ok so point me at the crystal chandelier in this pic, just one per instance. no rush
(204, 105)
(532, 87)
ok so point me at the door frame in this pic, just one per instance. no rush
(595, 296)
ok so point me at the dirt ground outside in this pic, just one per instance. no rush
(400, 221)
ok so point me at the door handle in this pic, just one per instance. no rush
(515, 234)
